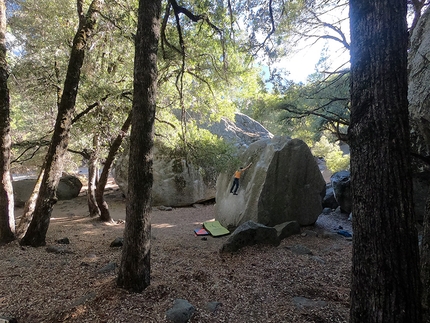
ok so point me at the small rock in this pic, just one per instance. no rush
(310, 233)
(118, 242)
(109, 267)
(213, 306)
(326, 211)
(63, 241)
(181, 311)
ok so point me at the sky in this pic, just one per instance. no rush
(308, 53)
(303, 64)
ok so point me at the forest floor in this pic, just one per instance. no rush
(76, 282)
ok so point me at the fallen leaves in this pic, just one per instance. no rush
(256, 284)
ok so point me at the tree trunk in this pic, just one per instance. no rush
(425, 263)
(92, 178)
(385, 283)
(7, 219)
(134, 270)
(103, 206)
(29, 207)
(36, 232)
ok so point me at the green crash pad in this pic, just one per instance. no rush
(215, 228)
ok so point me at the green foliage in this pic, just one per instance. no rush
(207, 149)
(202, 149)
(212, 74)
(305, 110)
(333, 155)
(43, 33)
(324, 102)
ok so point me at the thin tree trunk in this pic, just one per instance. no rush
(7, 219)
(134, 270)
(92, 178)
(36, 232)
(27, 215)
(103, 206)
(385, 286)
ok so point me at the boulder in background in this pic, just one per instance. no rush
(68, 188)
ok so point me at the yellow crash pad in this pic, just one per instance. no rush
(215, 228)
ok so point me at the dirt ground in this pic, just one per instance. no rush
(76, 282)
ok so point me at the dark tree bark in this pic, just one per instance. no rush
(425, 263)
(104, 176)
(36, 232)
(134, 270)
(385, 283)
(93, 178)
(7, 219)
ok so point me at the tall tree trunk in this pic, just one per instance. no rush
(103, 206)
(134, 270)
(7, 219)
(425, 263)
(92, 178)
(36, 232)
(385, 283)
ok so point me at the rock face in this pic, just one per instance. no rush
(419, 75)
(242, 132)
(419, 107)
(421, 185)
(341, 184)
(177, 183)
(283, 184)
(68, 188)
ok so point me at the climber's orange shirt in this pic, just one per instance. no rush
(237, 174)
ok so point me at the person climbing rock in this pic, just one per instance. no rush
(236, 179)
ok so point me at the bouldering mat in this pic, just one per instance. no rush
(215, 228)
(201, 232)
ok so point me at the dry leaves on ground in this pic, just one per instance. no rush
(256, 284)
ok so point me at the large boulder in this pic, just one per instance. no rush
(341, 184)
(419, 109)
(176, 183)
(329, 200)
(342, 192)
(68, 188)
(283, 184)
(180, 183)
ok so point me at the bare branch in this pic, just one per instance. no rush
(89, 108)
(166, 122)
